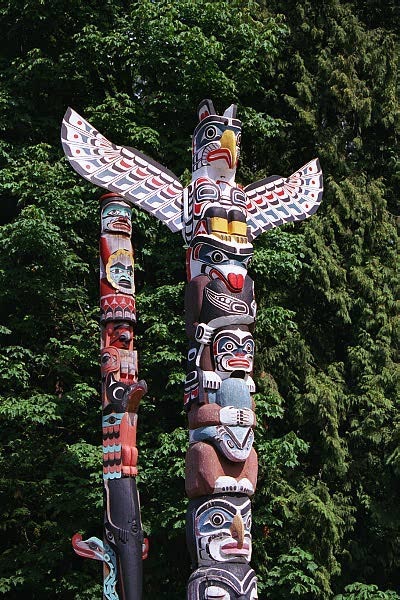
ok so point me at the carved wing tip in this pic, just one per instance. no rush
(315, 164)
(67, 113)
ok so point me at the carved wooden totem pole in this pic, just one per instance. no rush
(124, 544)
(218, 220)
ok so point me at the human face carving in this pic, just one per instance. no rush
(116, 218)
(233, 350)
(223, 530)
(120, 271)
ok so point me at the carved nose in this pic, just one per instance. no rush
(237, 530)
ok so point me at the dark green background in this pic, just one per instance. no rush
(319, 80)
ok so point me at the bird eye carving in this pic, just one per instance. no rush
(218, 257)
(211, 132)
(217, 519)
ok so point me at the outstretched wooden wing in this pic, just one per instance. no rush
(274, 201)
(126, 171)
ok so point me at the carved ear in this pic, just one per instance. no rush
(206, 108)
(230, 112)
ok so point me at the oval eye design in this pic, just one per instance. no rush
(217, 256)
(238, 139)
(109, 420)
(217, 519)
(246, 262)
(93, 546)
(248, 523)
(249, 348)
(105, 358)
(228, 346)
(211, 132)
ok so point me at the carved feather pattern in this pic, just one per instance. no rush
(126, 171)
(274, 201)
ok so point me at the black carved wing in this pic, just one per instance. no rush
(126, 171)
(274, 201)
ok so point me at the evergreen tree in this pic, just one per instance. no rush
(321, 81)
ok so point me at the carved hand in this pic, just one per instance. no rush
(204, 333)
(229, 415)
(211, 380)
(250, 384)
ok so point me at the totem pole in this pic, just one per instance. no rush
(124, 545)
(218, 220)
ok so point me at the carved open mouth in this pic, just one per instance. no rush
(220, 154)
(124, 282)
(238, 363)
(232, 548)
(121, 223)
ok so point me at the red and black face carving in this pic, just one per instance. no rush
(120, 335)
(233, 350)
(218, 259)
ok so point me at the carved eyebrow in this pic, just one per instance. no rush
(227, 506)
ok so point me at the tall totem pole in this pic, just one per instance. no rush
(124, 544)
(218, 220)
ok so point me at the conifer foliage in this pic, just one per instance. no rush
(320, 80)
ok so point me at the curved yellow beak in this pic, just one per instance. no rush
(228, 141)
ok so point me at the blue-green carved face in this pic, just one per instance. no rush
(122, 275)
(223, 530)
(120, 271)
(116, 217)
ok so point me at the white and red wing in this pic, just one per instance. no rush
(274, 201)
(126, 171)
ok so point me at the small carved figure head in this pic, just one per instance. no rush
(219, 529)
(219, 259)
(116, 217)
(233, 350)
(216, 139)
(110, 360)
